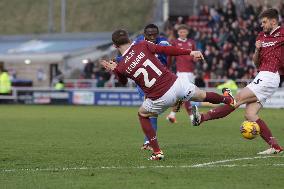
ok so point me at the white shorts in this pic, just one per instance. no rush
(182, 89)
(264, 85)
(187, 75)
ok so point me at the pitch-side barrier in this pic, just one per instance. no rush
(98, 97)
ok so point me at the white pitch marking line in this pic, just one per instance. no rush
(232, 160)
(211, 164)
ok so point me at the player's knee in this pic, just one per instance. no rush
(202, 95)
(144, 113)
(250, 116)
(199, 95)
(238, 97)
(141, 114)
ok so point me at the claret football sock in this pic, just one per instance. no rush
(149, 132)
(266, 134)
(274, 144)
(154, 123)
(215, 98)
(217, 113)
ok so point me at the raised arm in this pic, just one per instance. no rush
(255, 57)
(171, 50)
(174, 51)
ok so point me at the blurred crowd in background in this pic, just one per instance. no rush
(226, 38)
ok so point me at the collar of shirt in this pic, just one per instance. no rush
(274, 30)
(128, 49)
(183, 40)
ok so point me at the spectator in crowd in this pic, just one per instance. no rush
(5, 82)
(58, 80)
(59, 85)
(102, 77)
(88, 69)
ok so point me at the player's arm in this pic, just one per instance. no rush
(255, 58)
(112, 66)
(174, 51)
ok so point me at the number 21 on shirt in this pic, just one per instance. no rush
(143, 71)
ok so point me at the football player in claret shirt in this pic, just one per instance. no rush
(268, 58)
(151, 33)
(162, 88)
(184, 65)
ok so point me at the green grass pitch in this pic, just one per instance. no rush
(99, 147)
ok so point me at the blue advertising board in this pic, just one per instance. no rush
(121, 98)
(107, 97)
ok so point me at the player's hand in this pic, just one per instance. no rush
(258, 44)
(196, 55)
(108, 65)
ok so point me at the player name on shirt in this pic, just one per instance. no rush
(268, 44)
(135, 62)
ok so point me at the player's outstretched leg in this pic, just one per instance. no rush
(215, 113)
(243, 97)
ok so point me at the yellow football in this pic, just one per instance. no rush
(249, 129)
